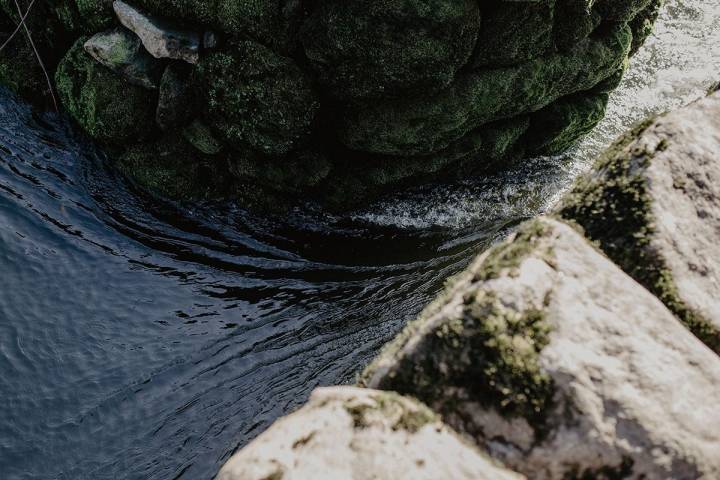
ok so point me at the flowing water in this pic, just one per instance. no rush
(149, 341)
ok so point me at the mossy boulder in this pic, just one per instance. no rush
(271, 22)
(255, 99)
(350, 99)
(429, 124)
(514, 32)
(389, 48)
(556, 127)
(560, 365)
(653, 205)
(173, 168)
(108, 108)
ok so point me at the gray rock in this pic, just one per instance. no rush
(562, 366)
(160, 38)
(121, 51)
(653, 205)
(174, 100)
(350, 433)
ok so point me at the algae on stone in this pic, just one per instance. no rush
(255, 99)
(429, 124)
(390, 93)
(389, 48)
(108, 108)
(482, 350)
(614, 207)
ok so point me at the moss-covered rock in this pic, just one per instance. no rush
(108, 108)
(652, 207)
(556, 127)
(389, 48)
(514, 32)
(560, 365)
(255, 99)
(171, 167)
(271, 22)
(428, 124)
(387, 93)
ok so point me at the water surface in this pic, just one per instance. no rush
(149, 341)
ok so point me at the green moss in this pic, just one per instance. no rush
(406, 416)
(109, 109)
(200, 137)
(299, 172)
(643, 24)
(429, 124)
(486, 353)
(271, 22)
(614, 208)
(255, 99)
(19, 71)
(513, 33)
(509, 255)
(389, 48)
(557, 127)
(172, 168)
(95, 15)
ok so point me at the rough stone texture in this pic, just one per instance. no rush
(423, 126)
(122, 52)
(160, 38)
(350, 433)
(108, 108)
(255, 99)
(389, 93)
(653, 205)
(381, 49)
(561, 365)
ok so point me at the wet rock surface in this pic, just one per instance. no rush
(561, 365)
(389, 93)
(346, 432)
(653, 205)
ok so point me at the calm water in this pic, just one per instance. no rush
(146, 341)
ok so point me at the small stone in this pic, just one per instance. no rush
(160, 38)
(199, 136)
(174, 103)
(121, 51)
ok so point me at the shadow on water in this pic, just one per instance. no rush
(148, 341)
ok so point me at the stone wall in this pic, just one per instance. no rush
(326, 98)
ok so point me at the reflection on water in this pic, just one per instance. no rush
(140, 340)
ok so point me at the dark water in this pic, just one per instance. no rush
(148, 341)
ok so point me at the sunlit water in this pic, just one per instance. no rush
(140, 341)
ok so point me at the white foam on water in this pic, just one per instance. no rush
(677, 64)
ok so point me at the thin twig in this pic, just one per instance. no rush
(19, 26)
(37, 54)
